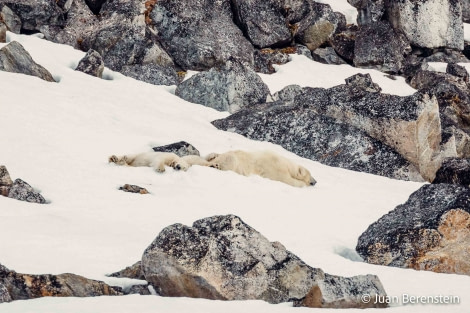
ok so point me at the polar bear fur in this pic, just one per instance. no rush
(263, 163)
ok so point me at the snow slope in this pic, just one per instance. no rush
(57, 137)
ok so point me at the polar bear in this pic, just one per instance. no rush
(263, 163)
(156, 160)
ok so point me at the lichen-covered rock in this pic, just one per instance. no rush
(344, 43)
(152, 74)
(34, 14)
(454, 171)
(133, 189)
(327, 56)
(430, 232)
(199, 34)
(11, 20)
(262, 22)
(15, 59)
(3, 32)
(91, 64)
(457, 70)
(95, 5)
(447, 56)
(181, 148)
(223, 258)
(4, 294)
(134, 271)
(265, 58)
(25, 286)
(296, 126)
(288, 93)
(379, 46)
(368, 11)
(21, 190)
(227, 88)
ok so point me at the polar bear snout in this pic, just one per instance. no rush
(313, 182)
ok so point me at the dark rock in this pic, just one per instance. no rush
(327, 56)
(380, 47)
(223, 258)
(181, 148)
(34, 14)
(3, 32)
(152, 74)
(303, 50)
(227, 88)
(142, 290)
(429, 232)
(466, 11)
(457, 70)
(454, 171)
(447, 56)
(4, 295)
(361, 83)
(265, 58)
(288, 93)
(91, 64)
(95, 5)
(15, 59)
(300, 129)
(5, 179)
(262, 22)
(413, 64)
(134, 189)
(25, 286)
(199, 34)
(133, 272)
(344, 43)
(368, 11)
(21, 190)
(11, 20)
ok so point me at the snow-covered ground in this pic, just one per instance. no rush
(58, 136)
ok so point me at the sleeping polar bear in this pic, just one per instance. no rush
(263, 163)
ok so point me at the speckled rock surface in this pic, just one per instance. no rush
(454, 171)
(91, 64)
(180, 148)
(11, 20)
(430, 231)
(152, 74)
(21, 190)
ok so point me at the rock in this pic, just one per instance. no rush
(181, 148)
(429, 232)
(380, 47)
(297, 127)
(152, 74)
(95, 5)
(3, 32)
(447, 56)
(11, 20)
(133, 272)
(223, 258)
(368, 11)
(344, 43)
(457, 70)
(262, 22)
(34, 14)
(327, 56)
(413, 64)
(142, 290)
(4, 295)
(199, 34)
(454, 171)
(341, 292)
(5, 179)
(288, 93)
(15, 59)
(227, 88)
(466, 11)
(265, 58)
(25, 286)
(21, 190)
(303, 50)
(134, 189)
(91, 64)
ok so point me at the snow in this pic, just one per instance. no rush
(58, 136)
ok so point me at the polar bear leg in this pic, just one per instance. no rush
(195, 160)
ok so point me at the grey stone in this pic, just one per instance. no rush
(223, 258)
(303, 50)
(3, 32)
(265, 58)
(21, 190)
(466, 11)
(380, 47)
(447, 56)
(142, 290)
(327, 56)
(152, 74)
(227, 88)
(368, 11)
(181, 148)
(5, 179)
(344, 43)
(11, 20)
(91, 64)
(133, 189)
(4, 295)
(454, 171)
(134, 272)
(288, 93)
(457, 70)
(428, 232)
(15, 59)
(199, 34)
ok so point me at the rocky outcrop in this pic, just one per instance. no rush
(152, 73)
(430, 232)
(181, 148)
(15, 59)
(223, 258)
(25, 286)
(454, 171)
(21, 190)
(91, 64)
(199, 34)
(133, 189)
(11, 20)
(379, 46)
(227, 88)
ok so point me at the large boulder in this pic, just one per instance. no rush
(15, 59)
(454, 171)
(227, 88)
(223, 258)
(21, 190)
(25, 286)
(431, 231)
(379, 46)
(91, 64)
(199, 34)
(296, 125)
